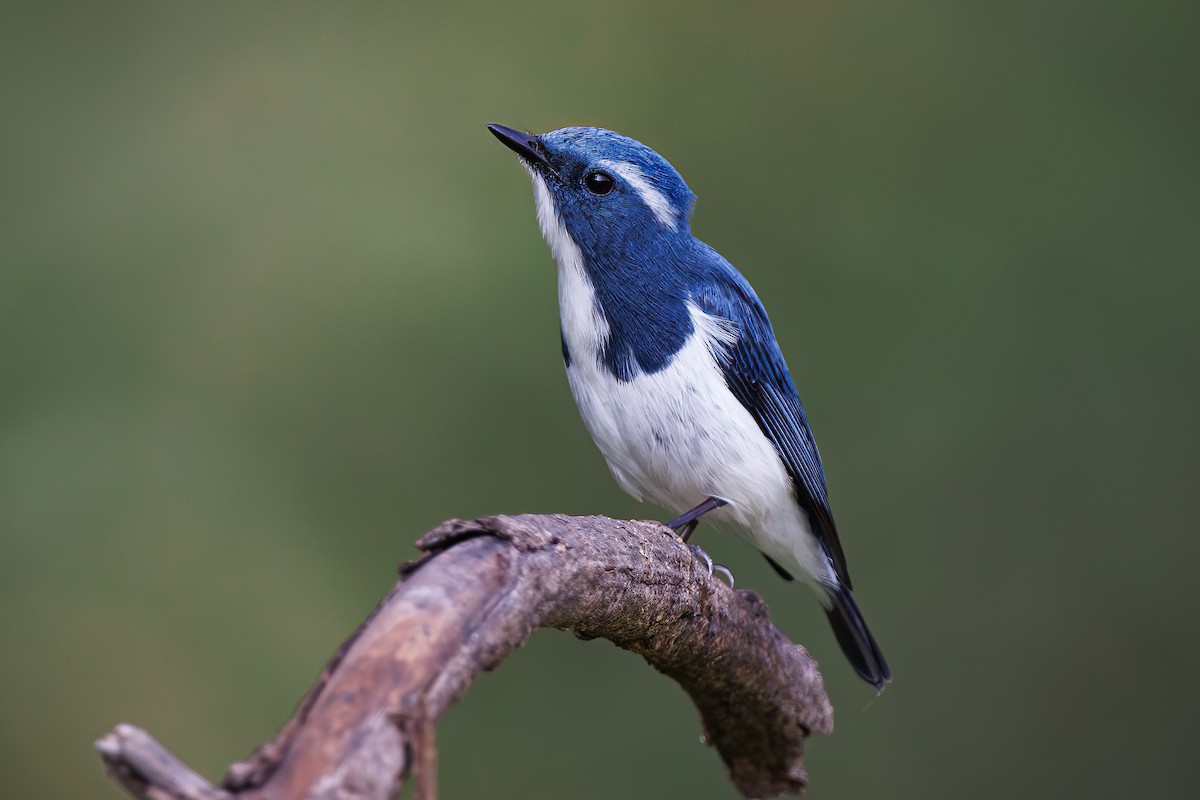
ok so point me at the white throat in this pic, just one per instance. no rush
(584, 327)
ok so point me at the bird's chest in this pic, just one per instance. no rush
(658, 433)
(673, 435)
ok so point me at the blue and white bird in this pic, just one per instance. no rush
(675, 367)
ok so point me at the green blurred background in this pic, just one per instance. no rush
(273, 303)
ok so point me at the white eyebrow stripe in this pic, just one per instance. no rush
(655, 200)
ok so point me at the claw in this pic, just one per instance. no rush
(706, 559)
(702, 557)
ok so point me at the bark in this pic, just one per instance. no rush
(479, 591)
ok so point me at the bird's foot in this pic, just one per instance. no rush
(705, 559)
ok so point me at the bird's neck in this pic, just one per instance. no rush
(626, 318)
(623, 306)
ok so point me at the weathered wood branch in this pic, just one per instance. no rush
(479, 591)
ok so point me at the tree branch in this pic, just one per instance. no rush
(479, 591)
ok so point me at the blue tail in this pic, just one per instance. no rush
(856, 640)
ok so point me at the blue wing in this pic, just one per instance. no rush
(758, 376)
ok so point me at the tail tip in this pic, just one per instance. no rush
(856, 640)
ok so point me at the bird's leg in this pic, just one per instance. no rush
(685, 524)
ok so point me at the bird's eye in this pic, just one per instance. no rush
(598, 183)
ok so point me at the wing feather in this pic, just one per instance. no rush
(757, 374)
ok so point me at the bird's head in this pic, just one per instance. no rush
(611, 194)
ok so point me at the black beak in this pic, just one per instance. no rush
(528, 146)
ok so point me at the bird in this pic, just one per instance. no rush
(675, 368)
